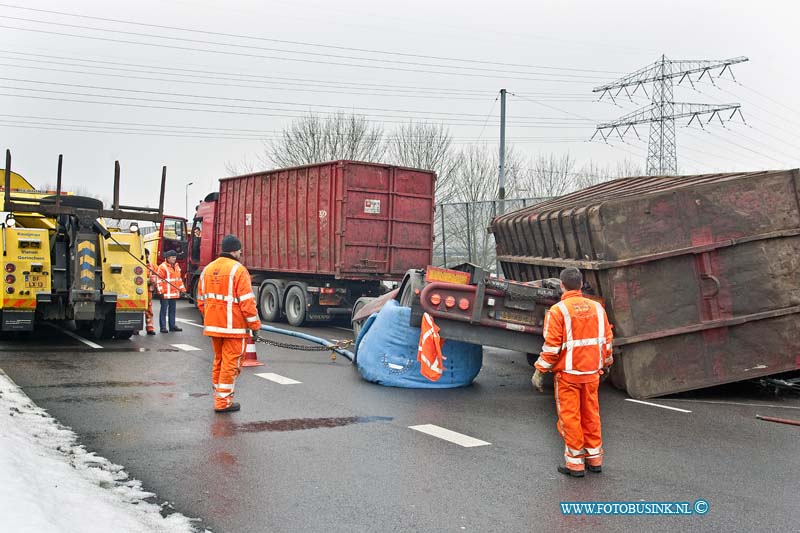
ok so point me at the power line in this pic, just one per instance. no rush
(246, 113)
(253, 100)
(552, 107)
(279, 58)
(254, 132)
(736, 153)
(301, 43)
(285, 51)
(108, 130)
(171, 70)
(489, 114)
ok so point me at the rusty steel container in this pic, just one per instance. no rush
(343, 219)
(700, 274)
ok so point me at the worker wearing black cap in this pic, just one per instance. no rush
(226, 301)
(170, 287)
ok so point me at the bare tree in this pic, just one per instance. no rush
(245, 166)
(592, 173)
(426, 146)
(474, 193)
(314, 139)
(549, 175)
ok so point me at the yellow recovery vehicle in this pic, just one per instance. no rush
(61, 262)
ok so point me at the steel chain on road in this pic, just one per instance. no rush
(339, 345)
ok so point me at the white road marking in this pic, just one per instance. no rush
(186, 347)
(736, 403)
(450, 436)
(76, 337)
(657, 405)
(190, 322)
(278, 378)
(342, 328)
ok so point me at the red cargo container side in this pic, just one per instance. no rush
(344, 219)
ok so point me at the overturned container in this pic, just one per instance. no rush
(700, 274)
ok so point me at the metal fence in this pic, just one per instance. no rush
(461, 231)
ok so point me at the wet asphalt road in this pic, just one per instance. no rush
(334, 453)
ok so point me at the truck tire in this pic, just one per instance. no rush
(410, 288)
(103, 328)
(269, 303)
(296, 306)
(360, 303)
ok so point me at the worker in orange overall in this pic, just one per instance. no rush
(170, 287)
(577, 349)
(226, 301)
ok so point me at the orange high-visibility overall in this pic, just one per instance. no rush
(170, 282)
(152, 281)
(577, 345)
(226, 300)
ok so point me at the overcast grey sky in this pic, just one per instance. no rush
(99, 89)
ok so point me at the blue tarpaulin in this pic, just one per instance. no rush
(386, 353)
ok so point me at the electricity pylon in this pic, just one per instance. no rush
(663, 110)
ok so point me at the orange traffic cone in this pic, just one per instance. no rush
(250, 355)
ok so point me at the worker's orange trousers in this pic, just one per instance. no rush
(227, 363)
(579, 422)
(148, 312)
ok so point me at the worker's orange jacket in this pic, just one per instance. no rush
(577, 339)
(226, 300)
(170, 283)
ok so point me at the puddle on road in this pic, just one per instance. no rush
(106, 398)
(102, 384)
(225, 429)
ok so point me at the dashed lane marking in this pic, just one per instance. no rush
(190, 322)
(743, 404)
(658, 405)
(76, 337)
(450, 436)
(277, 378)
(186, 347)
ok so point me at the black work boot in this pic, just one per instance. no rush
(231, 408)
(596, 469)
(573, 473)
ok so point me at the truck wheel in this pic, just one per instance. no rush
(269, 304)
(103, 329)
(296, 306)
(412, 285)
(360, 303)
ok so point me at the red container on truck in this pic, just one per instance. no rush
(318, 237)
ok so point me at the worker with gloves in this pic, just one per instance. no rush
(170, 287)
(226, 301)
(577, 349)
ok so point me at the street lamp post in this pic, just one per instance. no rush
(186, 207)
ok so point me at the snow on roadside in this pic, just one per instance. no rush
(50, 483)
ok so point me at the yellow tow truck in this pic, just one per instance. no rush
(62, 262)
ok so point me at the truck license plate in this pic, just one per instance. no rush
(34, 281)
(329, 299)
(521, 318)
